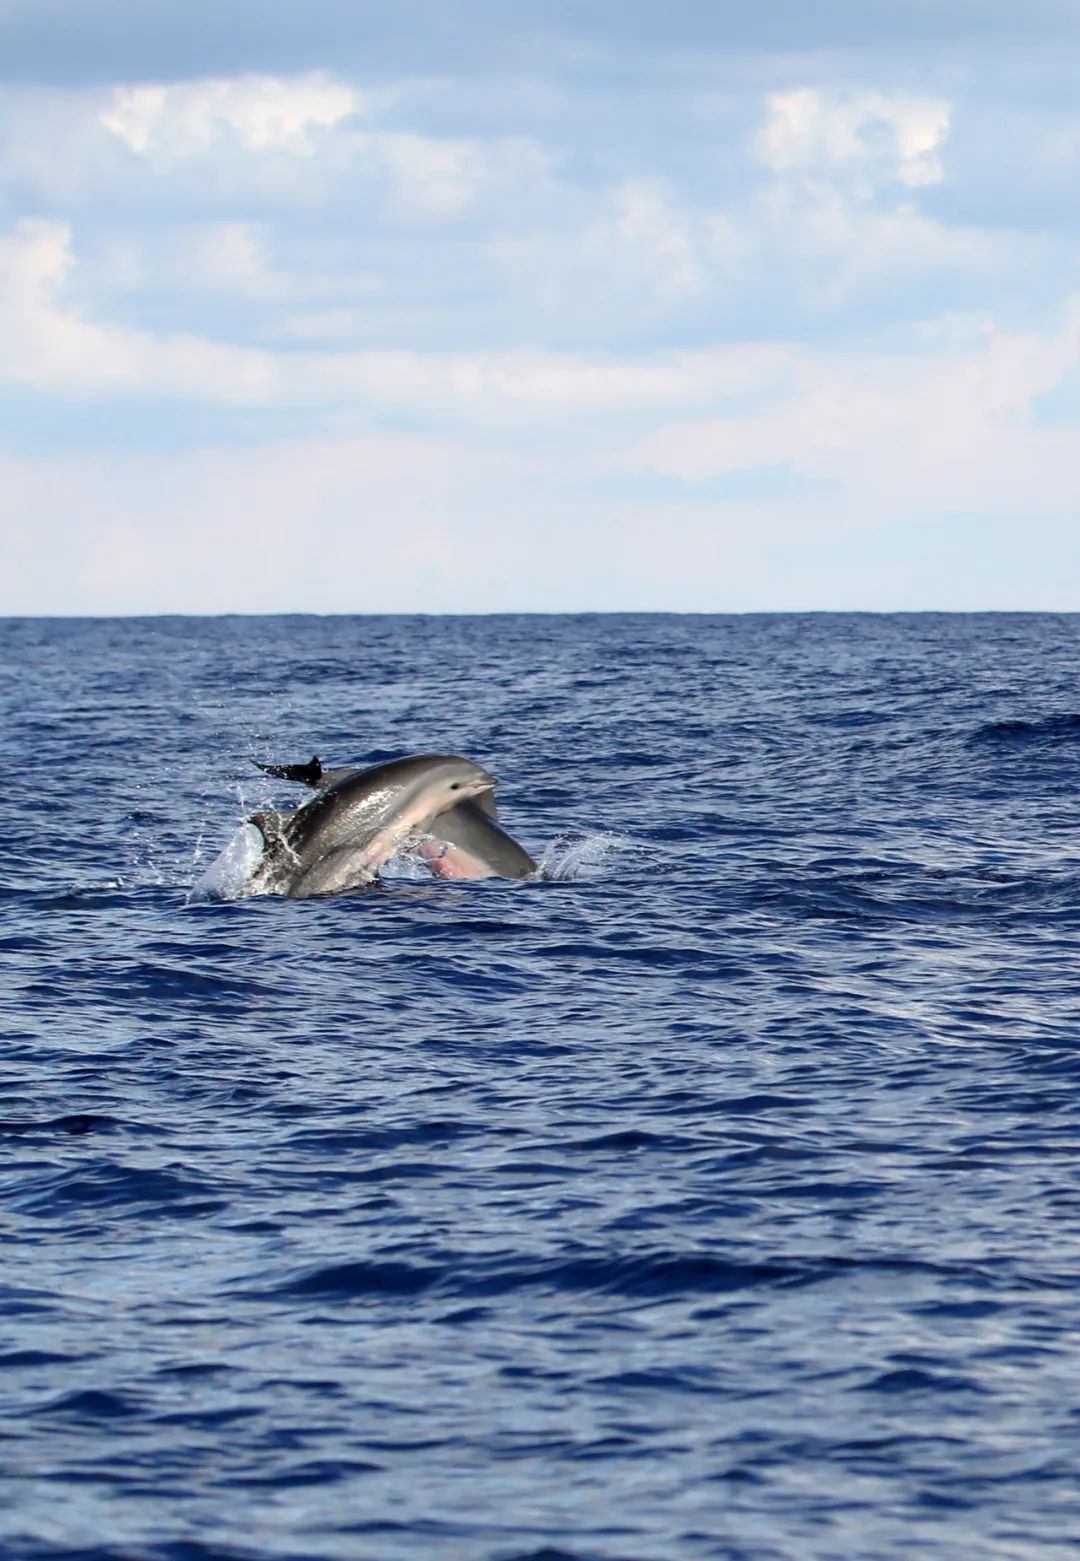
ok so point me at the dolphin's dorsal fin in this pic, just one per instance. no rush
(306, 774)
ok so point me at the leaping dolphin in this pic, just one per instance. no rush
(462, 841)
(342, 837)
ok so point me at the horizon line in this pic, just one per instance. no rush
(570, 612)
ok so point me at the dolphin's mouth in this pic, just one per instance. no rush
(473, 788)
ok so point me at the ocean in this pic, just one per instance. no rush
(717, 1195)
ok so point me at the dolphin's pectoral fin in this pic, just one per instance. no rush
(305, 774)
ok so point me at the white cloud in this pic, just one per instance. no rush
(429, 177)
(307, 192)
(221, 526)
(647, 225)
(572, 296)
(899, 434)
(295, 149)
(618, 264)
(262, 113)
(190, 260)
(50, 347)
(863, 139)
(408, 522)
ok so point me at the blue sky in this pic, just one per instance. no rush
(347, 307)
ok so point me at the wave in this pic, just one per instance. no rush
(631, 1275)
(108, 1184)
(1043, 732)
(623, 1276)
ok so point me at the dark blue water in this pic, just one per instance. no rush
(718, 1198)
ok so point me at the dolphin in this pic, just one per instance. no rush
(463, 841)
(341, 838)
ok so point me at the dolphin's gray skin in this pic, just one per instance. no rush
(464, 841)
(342, 837)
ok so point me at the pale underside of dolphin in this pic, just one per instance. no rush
(441, 804)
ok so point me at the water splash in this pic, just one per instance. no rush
(575, 858)
(228, 874)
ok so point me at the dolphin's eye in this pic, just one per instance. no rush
(455, 785)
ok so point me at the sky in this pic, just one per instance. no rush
(565, 305)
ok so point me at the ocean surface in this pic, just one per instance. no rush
(716, 1196)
